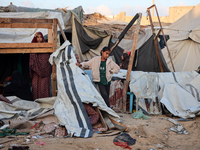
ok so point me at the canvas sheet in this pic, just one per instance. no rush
(25, 109)
(184, 42)
(185, 55)
(177, 89)
(143, 36)
(74, 88)
(92, 52)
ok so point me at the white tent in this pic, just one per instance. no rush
(184, 42)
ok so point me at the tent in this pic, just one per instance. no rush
(88, 42)
(146, 58)
(184, 42)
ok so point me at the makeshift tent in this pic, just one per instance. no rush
(11, 62)
(184, 42)
(88, 43)
(146, 58)
(74, 89)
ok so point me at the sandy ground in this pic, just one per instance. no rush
(153, 133)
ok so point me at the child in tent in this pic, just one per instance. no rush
(125, 61)
(102, 67)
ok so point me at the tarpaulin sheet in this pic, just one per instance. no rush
(74, 88)
(179, 91)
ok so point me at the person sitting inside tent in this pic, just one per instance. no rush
(18, 87)
(102, 67)
(125, 61)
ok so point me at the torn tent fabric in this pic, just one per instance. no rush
(85, 41)
(74, 88)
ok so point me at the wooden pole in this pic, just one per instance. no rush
(63, 34)
(155, 41)
(135, 38)
(55, 22)
(121, 36)
(164, 39)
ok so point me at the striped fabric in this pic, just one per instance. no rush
(74, 88)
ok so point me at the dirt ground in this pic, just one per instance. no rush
(151, 134)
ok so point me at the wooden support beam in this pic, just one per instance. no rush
(25, 45)
(25, 25)
(164, 38)
(55, 22)
(50, 47)
(135, 38)
(155, 41)
(25, 20)
(63, 34)
(156, 37)
(50, 36)
(25, 50)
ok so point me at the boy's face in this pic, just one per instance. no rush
(105, 54)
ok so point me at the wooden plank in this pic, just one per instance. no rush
(135, 37)
(150, 7)
(50, 36)
(25, 25)
(25, 50)
(26, 45)
(54, 66)
(25, 20)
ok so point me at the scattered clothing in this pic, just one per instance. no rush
(124, 140)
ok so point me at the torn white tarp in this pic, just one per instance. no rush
(25, 109)
(179, 101)
(74, 88)
(179, 91)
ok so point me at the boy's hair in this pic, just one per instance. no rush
(105, 49)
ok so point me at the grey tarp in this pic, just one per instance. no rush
(147, 59)
(85, 41)
(74, 87)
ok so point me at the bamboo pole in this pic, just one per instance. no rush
(135, 38)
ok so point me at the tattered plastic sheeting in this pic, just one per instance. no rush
(179, 91)
(74, 88)
(66, 15)
(92, 52)
(25, 35)
(179, 101)
(25, 109)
